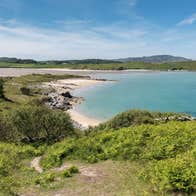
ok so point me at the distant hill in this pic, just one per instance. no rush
(57, 62)
(154, 59)
(15, 60)
(145, 59)
(84, 61)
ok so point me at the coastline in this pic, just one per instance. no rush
(82, 120)
(69, 85)
(16, 72)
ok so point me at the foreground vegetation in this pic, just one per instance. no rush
(135, 153)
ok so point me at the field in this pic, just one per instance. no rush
(190, 65)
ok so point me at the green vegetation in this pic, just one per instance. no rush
(11, 161)
(167, 149)
(1, 89)
(70, 171)
(15, 96)
(136, 117)
(35, 123)
(135, 153)
(189, 65)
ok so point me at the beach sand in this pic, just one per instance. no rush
(83, 120)
(73, 84)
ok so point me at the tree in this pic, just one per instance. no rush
(35, 123)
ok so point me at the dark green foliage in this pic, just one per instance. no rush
(67, 174)
(39, 122)
(1, 89)
(135, 117)
(70, 171)
(73, 170)
(36, 123)
(25, 91)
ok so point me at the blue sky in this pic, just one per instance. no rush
(77, 29)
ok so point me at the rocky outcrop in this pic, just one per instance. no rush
(62, 101)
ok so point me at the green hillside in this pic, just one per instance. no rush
(135, 153)
(189, 65)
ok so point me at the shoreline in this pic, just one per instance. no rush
(82, 120)
(16, 72)
(69, 85)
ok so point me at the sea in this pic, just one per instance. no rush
(144, 90)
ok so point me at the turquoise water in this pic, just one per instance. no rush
(155, 91)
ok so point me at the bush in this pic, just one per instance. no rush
(132, 118)
(45, 179)
(176, 174)
(36, 123)
(11, 161)
(67, 174)
(139, 142)
(162, 147)
(70, 171)
(73, 170)
(25, 91)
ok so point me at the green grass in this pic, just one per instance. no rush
(13, 85)
(139, 160)
(190, 65)
(130, 154)
(156, 145)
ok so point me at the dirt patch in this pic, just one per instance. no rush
(35, 163)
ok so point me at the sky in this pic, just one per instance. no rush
(107, 29)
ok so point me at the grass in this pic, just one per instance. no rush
(153, 159)
(190, 65)
(114, 179)
(13, 85)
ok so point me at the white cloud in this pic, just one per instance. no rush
(114, 41)
(188, 21)
(32, 42)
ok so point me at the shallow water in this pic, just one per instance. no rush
(155, 91)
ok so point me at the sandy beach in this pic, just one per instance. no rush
(16, 72)
(73, 84)
(83, 120)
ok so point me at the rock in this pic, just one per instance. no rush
(67, 94)
(61, 99)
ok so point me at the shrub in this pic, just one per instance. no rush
(45, 179)
(139, 142)
(162, 147)
(176, 174)
(25, 91)
(132, 118)
(11, 161)
(73, 170)
(67, 174)
(70, 171)
(35, 123)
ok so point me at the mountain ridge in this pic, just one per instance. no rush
(154, 59)
(146, 59)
